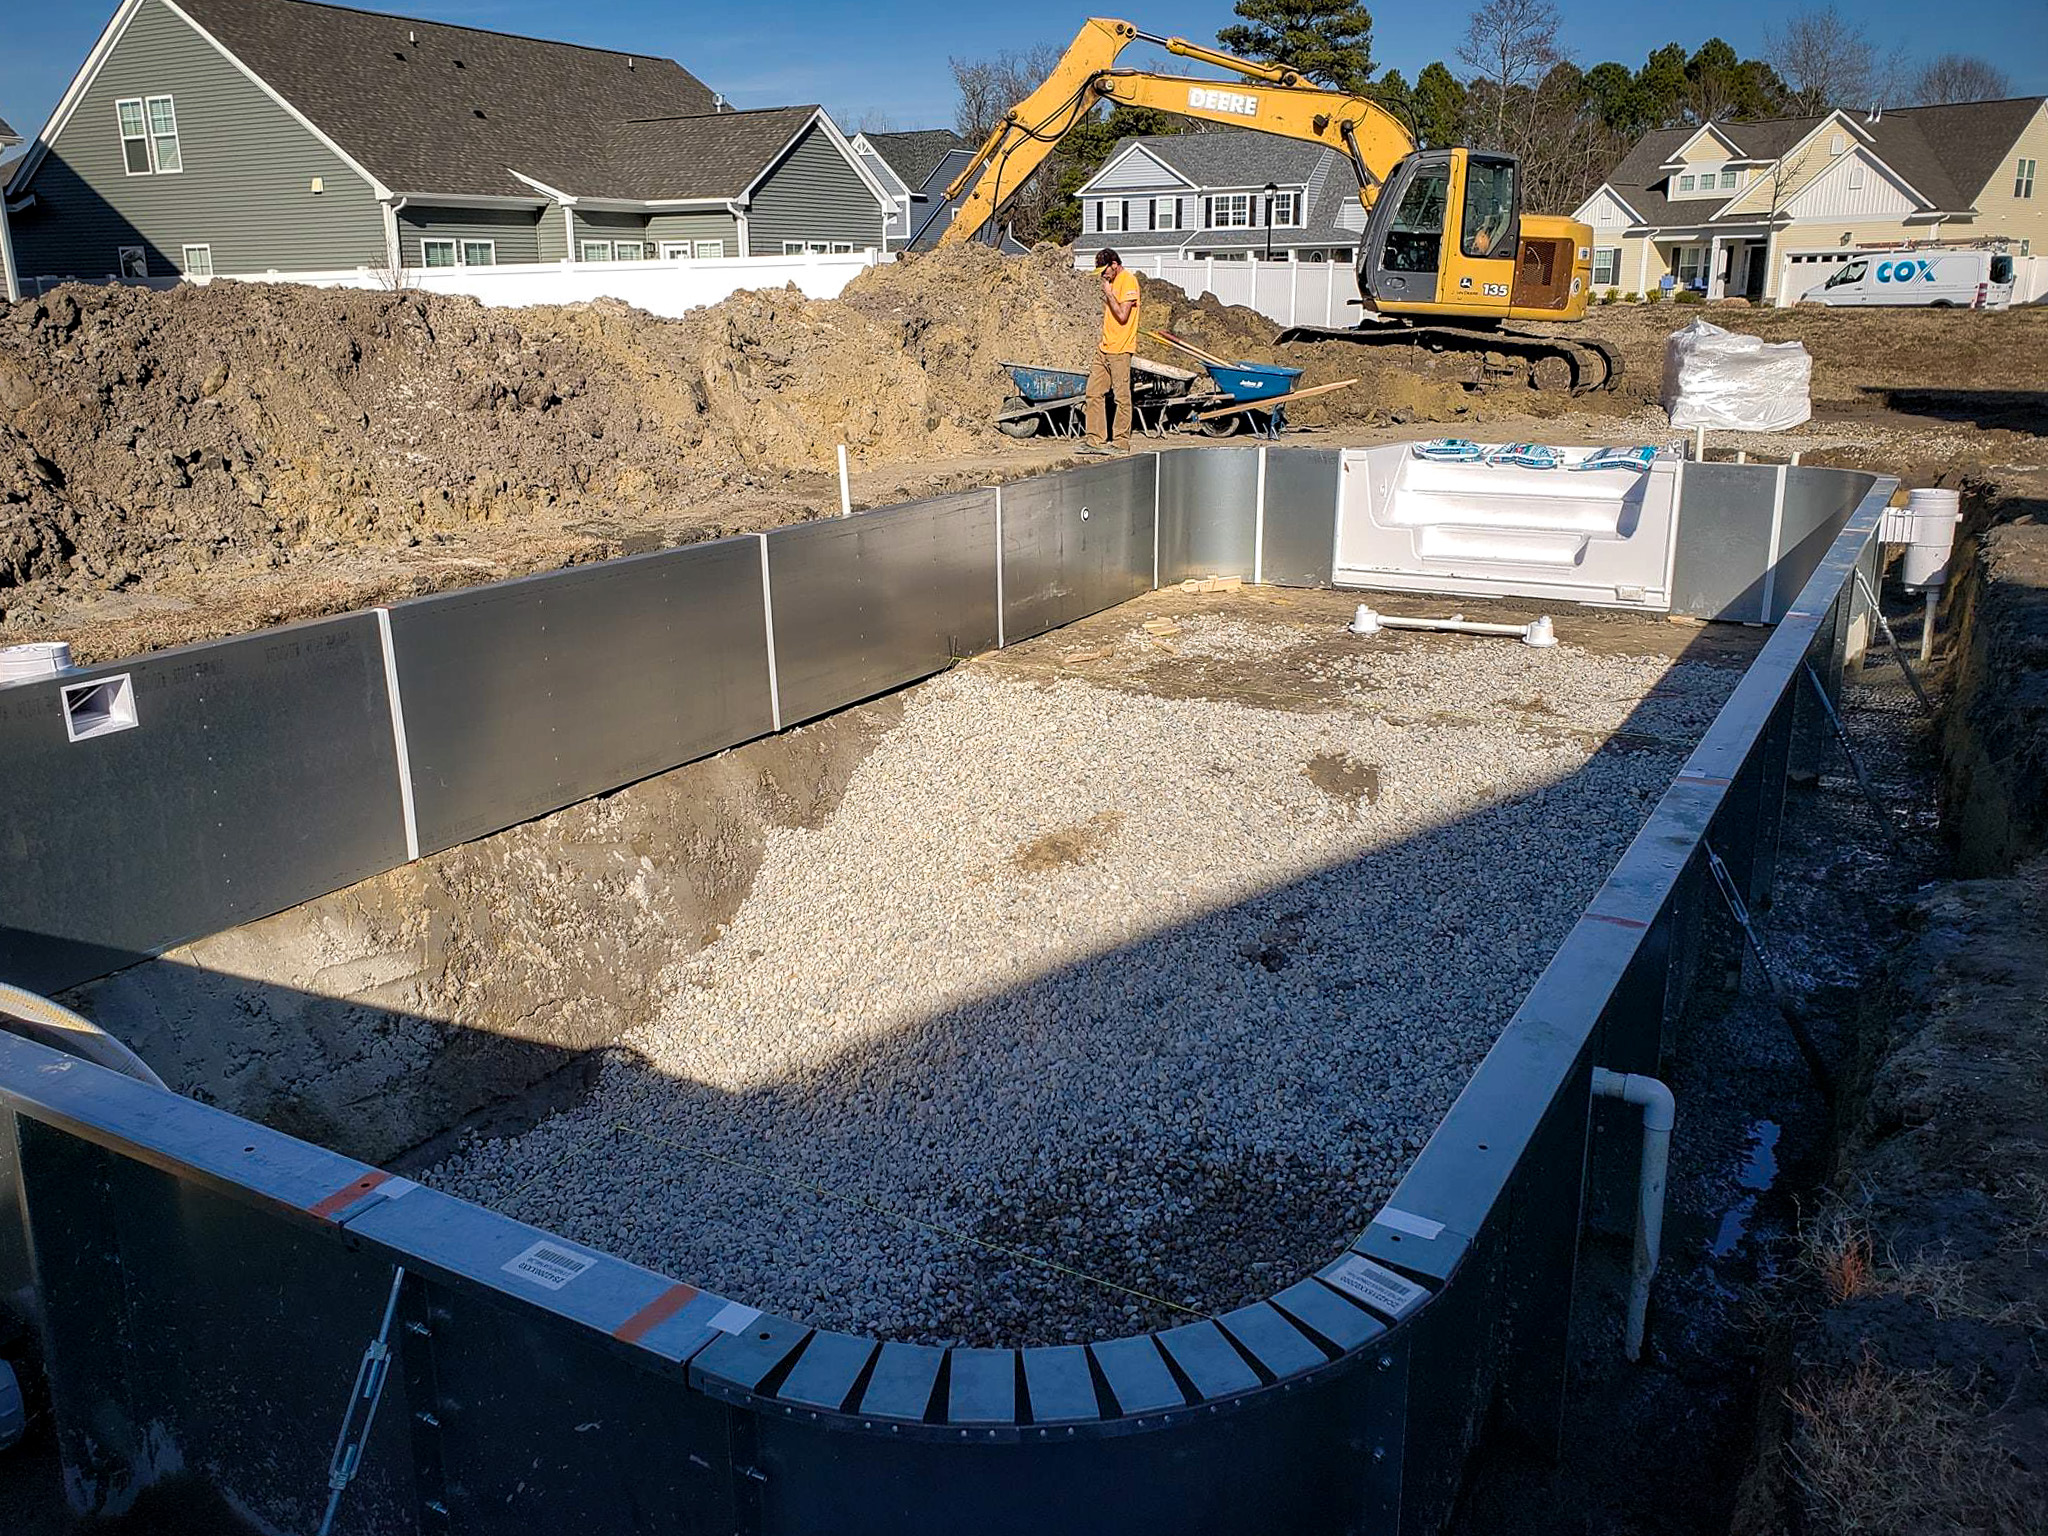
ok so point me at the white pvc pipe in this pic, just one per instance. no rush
(1536, 632)
(1660, 1113)
(50, 1024)
(845, 486)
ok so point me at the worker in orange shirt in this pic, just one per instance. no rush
(1112, 370)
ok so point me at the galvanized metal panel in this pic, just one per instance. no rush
(1817, 505)
(1075, 543)
(901, 1385)
(865, 604)
(1280, 1347)
(825, 1375)
(1720, 567)
(1059, 1384)
(1137, 1375)
(1300, 523)
(981, 1386)
(1335, 1319)
(740, 1362)
(1207, 505)
(260, 773)
(526, 696)
(1208, 1359)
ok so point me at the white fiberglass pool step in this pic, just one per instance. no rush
(1599, 537)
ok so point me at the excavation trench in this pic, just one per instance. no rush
(1113, 977)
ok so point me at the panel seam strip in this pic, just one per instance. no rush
(398, 741)
(1259, 524)
(1156, 473)
(1001, 639)
(1772, 551)
(768, 623)
(1671, 550)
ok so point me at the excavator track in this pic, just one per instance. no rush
(1593, 364)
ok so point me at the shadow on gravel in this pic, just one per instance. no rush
(2012, 410)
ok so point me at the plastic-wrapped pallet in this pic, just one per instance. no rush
(1719, 379)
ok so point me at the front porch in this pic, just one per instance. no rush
(1714, 263)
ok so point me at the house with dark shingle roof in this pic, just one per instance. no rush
(1768, 210)
(916, 167)
(1232, 194)
(288, 137)
(10, 286)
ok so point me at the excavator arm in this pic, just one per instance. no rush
(1278, 103)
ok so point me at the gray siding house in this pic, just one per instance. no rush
(1204, 194)
(252, 137)
(916, 167)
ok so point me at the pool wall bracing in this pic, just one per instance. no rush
(203, 1288)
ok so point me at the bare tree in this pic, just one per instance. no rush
(1510, 46)
(1825, 61)
(990, 87)
(1957, 77)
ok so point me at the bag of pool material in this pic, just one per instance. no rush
(1729, 382)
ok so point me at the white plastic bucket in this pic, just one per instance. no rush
(1931, 516)
(43, 658)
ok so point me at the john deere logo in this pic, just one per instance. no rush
(1238, 102)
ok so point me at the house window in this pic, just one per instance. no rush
(1166, 213)
(1856, 176)
(1728, 180)
(707, 249)
(1685, 183)
(597, 250)
(1231, 211)
(149, 136)
(842, 247)
(199, 261)
(1606, 265)
(133, 262)
(2023, 179)
(479, 253)
(1835, 145)
(437, 253)
(792, 247)
(629, 250)
(1112, 215)
(1286, 209)
(1692, 266)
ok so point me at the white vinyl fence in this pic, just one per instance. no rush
(666, 288)
(1290, 292)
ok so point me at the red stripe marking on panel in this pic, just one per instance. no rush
(655, 1313)
(348, 1194)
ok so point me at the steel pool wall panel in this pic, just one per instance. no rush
(1207, 504)
(1818, 502)
(1721, 567)
(260, 773)
(526, 696)
(1298, 537)
(867, 603)
(1076, 543)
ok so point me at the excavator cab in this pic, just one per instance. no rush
(1447, 238)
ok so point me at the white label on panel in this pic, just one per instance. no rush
(552, 1265)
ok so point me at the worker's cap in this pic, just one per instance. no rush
(1105, 257)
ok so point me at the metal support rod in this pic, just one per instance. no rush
(1809, 1052)
(1892, 640)
(1660, 1114)
(1927, 626)
(1827, 705)
(364, 1398)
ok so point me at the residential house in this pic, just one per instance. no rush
(290, 138)
(10, 285)
(1233, 194)
(916, 167)
(1767, 210)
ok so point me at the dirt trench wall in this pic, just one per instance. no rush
(1995, 738)
(373, 1019)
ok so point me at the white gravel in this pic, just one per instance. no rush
(1109, 980)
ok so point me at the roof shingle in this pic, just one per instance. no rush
(915, 154)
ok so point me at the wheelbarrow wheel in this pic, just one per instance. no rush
(1222, 426)
(1023, 426)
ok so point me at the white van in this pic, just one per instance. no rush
(1942, 279)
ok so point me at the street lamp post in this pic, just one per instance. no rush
(1271, 188)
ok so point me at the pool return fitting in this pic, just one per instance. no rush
(1536, 632)
(1660, 1113)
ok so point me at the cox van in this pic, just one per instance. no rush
(1940, 279)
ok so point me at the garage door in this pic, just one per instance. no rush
(1805, 271)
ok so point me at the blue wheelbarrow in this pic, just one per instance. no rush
(1050, 400)
(1253, 395)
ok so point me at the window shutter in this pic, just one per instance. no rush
(1208, 212)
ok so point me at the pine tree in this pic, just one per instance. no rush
(1327, 41)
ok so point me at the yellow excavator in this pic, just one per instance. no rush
(1447, 259)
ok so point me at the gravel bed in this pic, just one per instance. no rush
(1088, 1006)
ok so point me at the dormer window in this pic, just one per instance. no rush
(1685, 183)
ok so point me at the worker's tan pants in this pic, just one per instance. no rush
(1112, 371)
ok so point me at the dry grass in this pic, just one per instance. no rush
(1839, 1252)
(1888, 1453)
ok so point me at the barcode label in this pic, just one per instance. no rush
(548, 1264)
(1375, 1285)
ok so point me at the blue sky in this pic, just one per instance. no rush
(890, 59)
